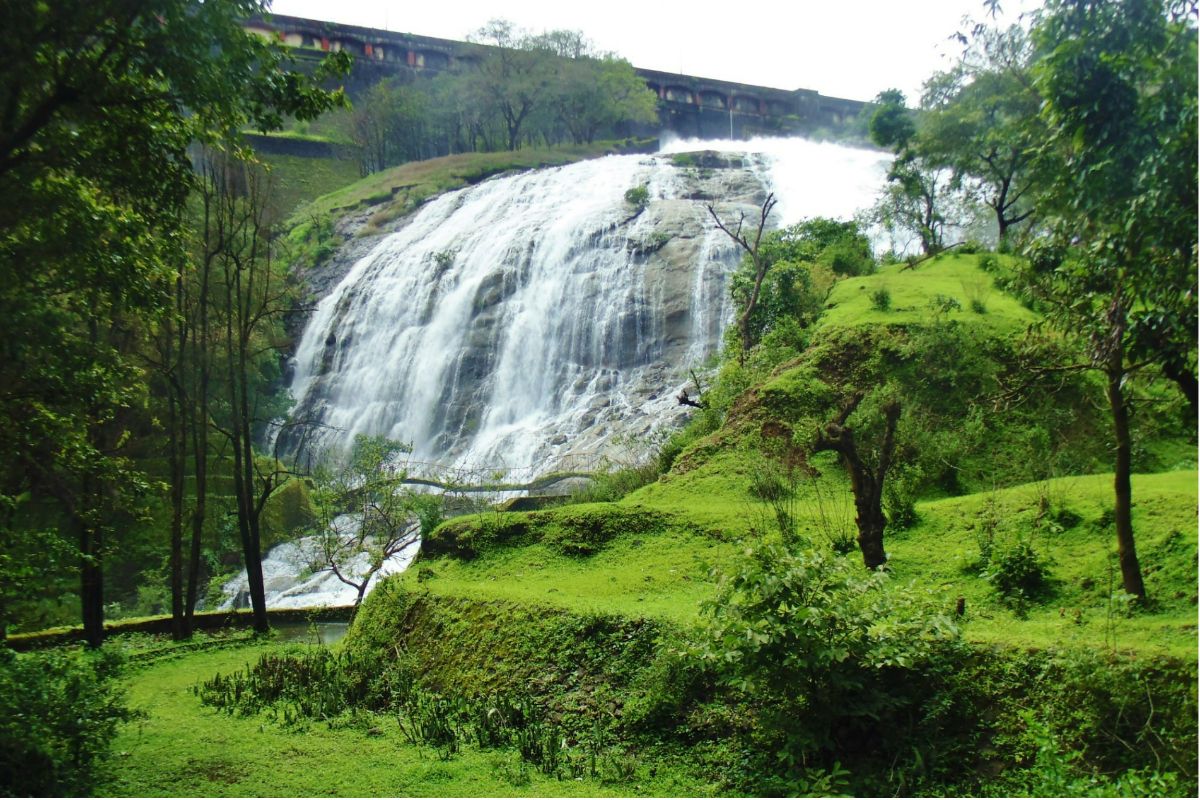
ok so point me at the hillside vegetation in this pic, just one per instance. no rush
(999, 535)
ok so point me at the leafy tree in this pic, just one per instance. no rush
(102, 100)
(366, 514)
(915, 197)
(982, 123)
(596, 94)
(389, 125)
(511, 79)
(802, 264)
(1118, 188)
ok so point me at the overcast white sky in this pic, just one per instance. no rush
(843, 48)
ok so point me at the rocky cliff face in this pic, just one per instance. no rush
(530, 321)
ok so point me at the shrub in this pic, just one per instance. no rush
(881, 299)
(1018, 574)
(835, 656)
(59, 711)
(638, 197)
(944, 303)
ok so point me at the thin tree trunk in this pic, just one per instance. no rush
(177, 453)
(1131, 572)
(91, 583)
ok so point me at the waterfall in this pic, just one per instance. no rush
(532, 318)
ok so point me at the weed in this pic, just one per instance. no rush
(881, 299)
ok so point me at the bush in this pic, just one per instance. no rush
(839, 662)
(881, 299)
(59, 712)
(944, 303)
(1018, 574)
(638, 197)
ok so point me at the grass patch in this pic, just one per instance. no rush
(184, 749)
(956, 277)
(297, 180)
(705, 517)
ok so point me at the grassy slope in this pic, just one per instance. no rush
(185, 749)
(912, 290)
(663, 572)
(297, 180)
(406, 186)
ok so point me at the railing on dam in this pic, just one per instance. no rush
(470, 478)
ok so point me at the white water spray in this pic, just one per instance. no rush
(531, 318)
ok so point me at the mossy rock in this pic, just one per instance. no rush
(464, 537)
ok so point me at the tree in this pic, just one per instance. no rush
(389, 125)
(102, 100)
(915, 195)
(511, 79)
(982, 123)
(758, 262)
(867, 473)
(366, 515)
(596, 94)
(1117, 184)
(802, 264)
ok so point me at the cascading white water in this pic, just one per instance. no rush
(531, 317)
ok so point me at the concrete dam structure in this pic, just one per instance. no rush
(688, 105)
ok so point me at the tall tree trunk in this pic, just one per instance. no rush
(91, 583)
(199, 436)
(1131, 571)
(177, 453)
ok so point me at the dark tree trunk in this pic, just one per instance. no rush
(91, 584)
(1131, 572)
(198, 418)
(178, 451)
(866, 483)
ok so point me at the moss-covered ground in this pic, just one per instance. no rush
(664, 571)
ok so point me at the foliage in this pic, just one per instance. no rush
(365, 509)
(802, 264)
(881, 299)
(637, 196)
(104, 100)
(833, 655)
(981, 122)
(59, 712)
(1018, 574)
(916, 195)
(1118, 187)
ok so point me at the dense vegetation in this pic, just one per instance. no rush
(1004, 440)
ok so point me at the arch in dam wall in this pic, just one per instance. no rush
(379, 53)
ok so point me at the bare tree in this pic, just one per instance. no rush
(757, 260)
